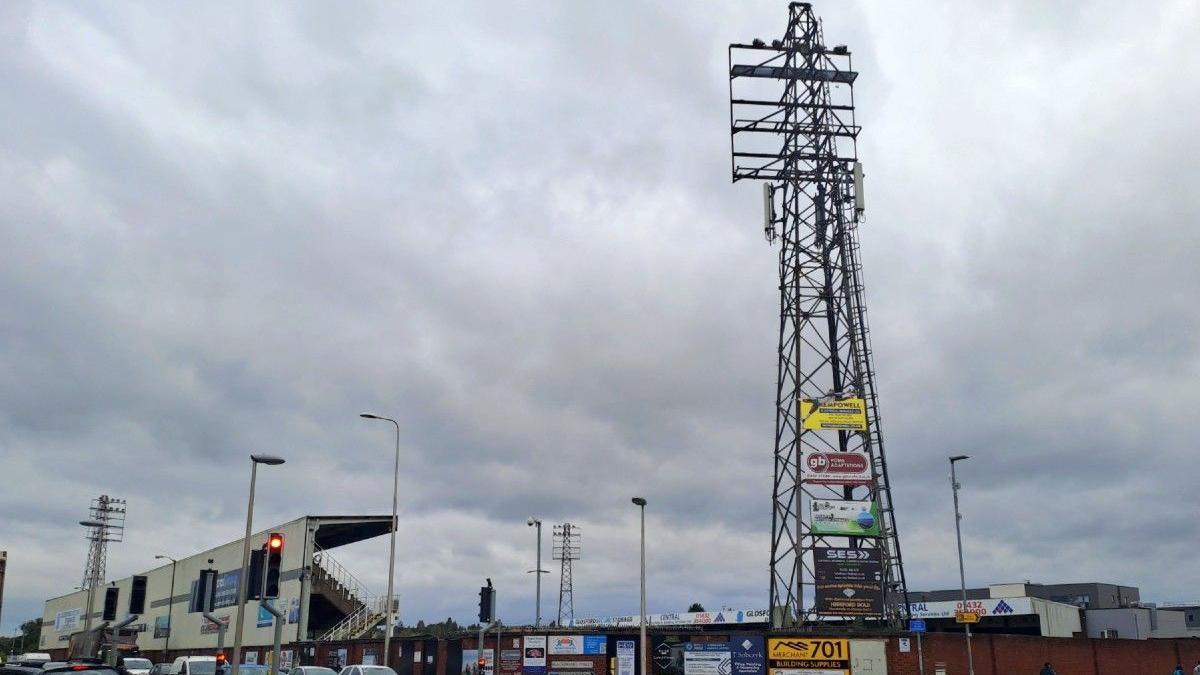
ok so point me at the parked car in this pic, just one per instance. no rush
(362, 669)
(136, 666)
(313, 670)
(160, 669)
(194, 665)
(78, 667)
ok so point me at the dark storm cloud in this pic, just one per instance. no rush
(230, 229)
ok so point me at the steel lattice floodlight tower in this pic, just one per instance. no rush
(566, 549)
(106, 525)
(792, 125)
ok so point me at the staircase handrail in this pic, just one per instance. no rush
(340, 575)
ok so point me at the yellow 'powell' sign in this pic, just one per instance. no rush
(848, 414)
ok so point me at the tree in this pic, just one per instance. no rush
(696, 607)
(31, 633)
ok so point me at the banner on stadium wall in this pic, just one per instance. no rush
(748, 656)
(534, 662)
(808, 656)
(725, 616)
(470, 662)
(989, 607)
(844, 518)
(68, 620)
(706, 658)
(848, 414)
(626, 653)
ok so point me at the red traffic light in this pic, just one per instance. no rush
(220, 658)
(275, 541)
(482, 664)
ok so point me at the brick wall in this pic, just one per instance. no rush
(1024, 655)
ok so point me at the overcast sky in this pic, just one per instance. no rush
(227, 229)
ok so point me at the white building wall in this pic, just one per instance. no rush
(1057, 619)
(186, 628)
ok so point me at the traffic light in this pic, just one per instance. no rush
(221, 661)
(110, 603)
(254, 584)
(137, 596)
(482, 665)
(206, 591)
(274, 562)
(487, 602)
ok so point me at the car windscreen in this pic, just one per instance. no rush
(202, 667)
(317, 670)
(137, 663)
(377, 670)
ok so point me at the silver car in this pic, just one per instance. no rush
(136, 666)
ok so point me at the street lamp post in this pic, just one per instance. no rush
(170, 600)
(387, 635)
(641, 504)
(91, 594)
(538, 571)
(255, 460)
(962, 576)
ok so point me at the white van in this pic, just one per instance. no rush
(194, 665)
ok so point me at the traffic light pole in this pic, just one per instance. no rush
(270, 607)
(220, 632)
(112, 642)
(480, 661)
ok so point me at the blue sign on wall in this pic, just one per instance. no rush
(748, 656)
(916, 625)
(595, 645)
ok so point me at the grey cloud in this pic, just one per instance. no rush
(512, 228)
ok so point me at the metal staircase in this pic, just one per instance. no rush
(364, 609)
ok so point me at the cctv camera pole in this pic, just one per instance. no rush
(962, 577)
(538, 572)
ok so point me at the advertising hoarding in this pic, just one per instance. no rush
(162, 626)
(837, 468)
(848, 414)
(510, 658)
(725, 616)
(990, 607)
(808, 656)
(470, 662)
(67, 620)
(626, 653)
(749, 656)
(849, 581)
(565, 645)
(535, 655)
(844, 518)
(706, 658)
(207, 627)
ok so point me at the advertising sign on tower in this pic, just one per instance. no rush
(845, 518)
(849, 581)
(837, 468)
(848, 414)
